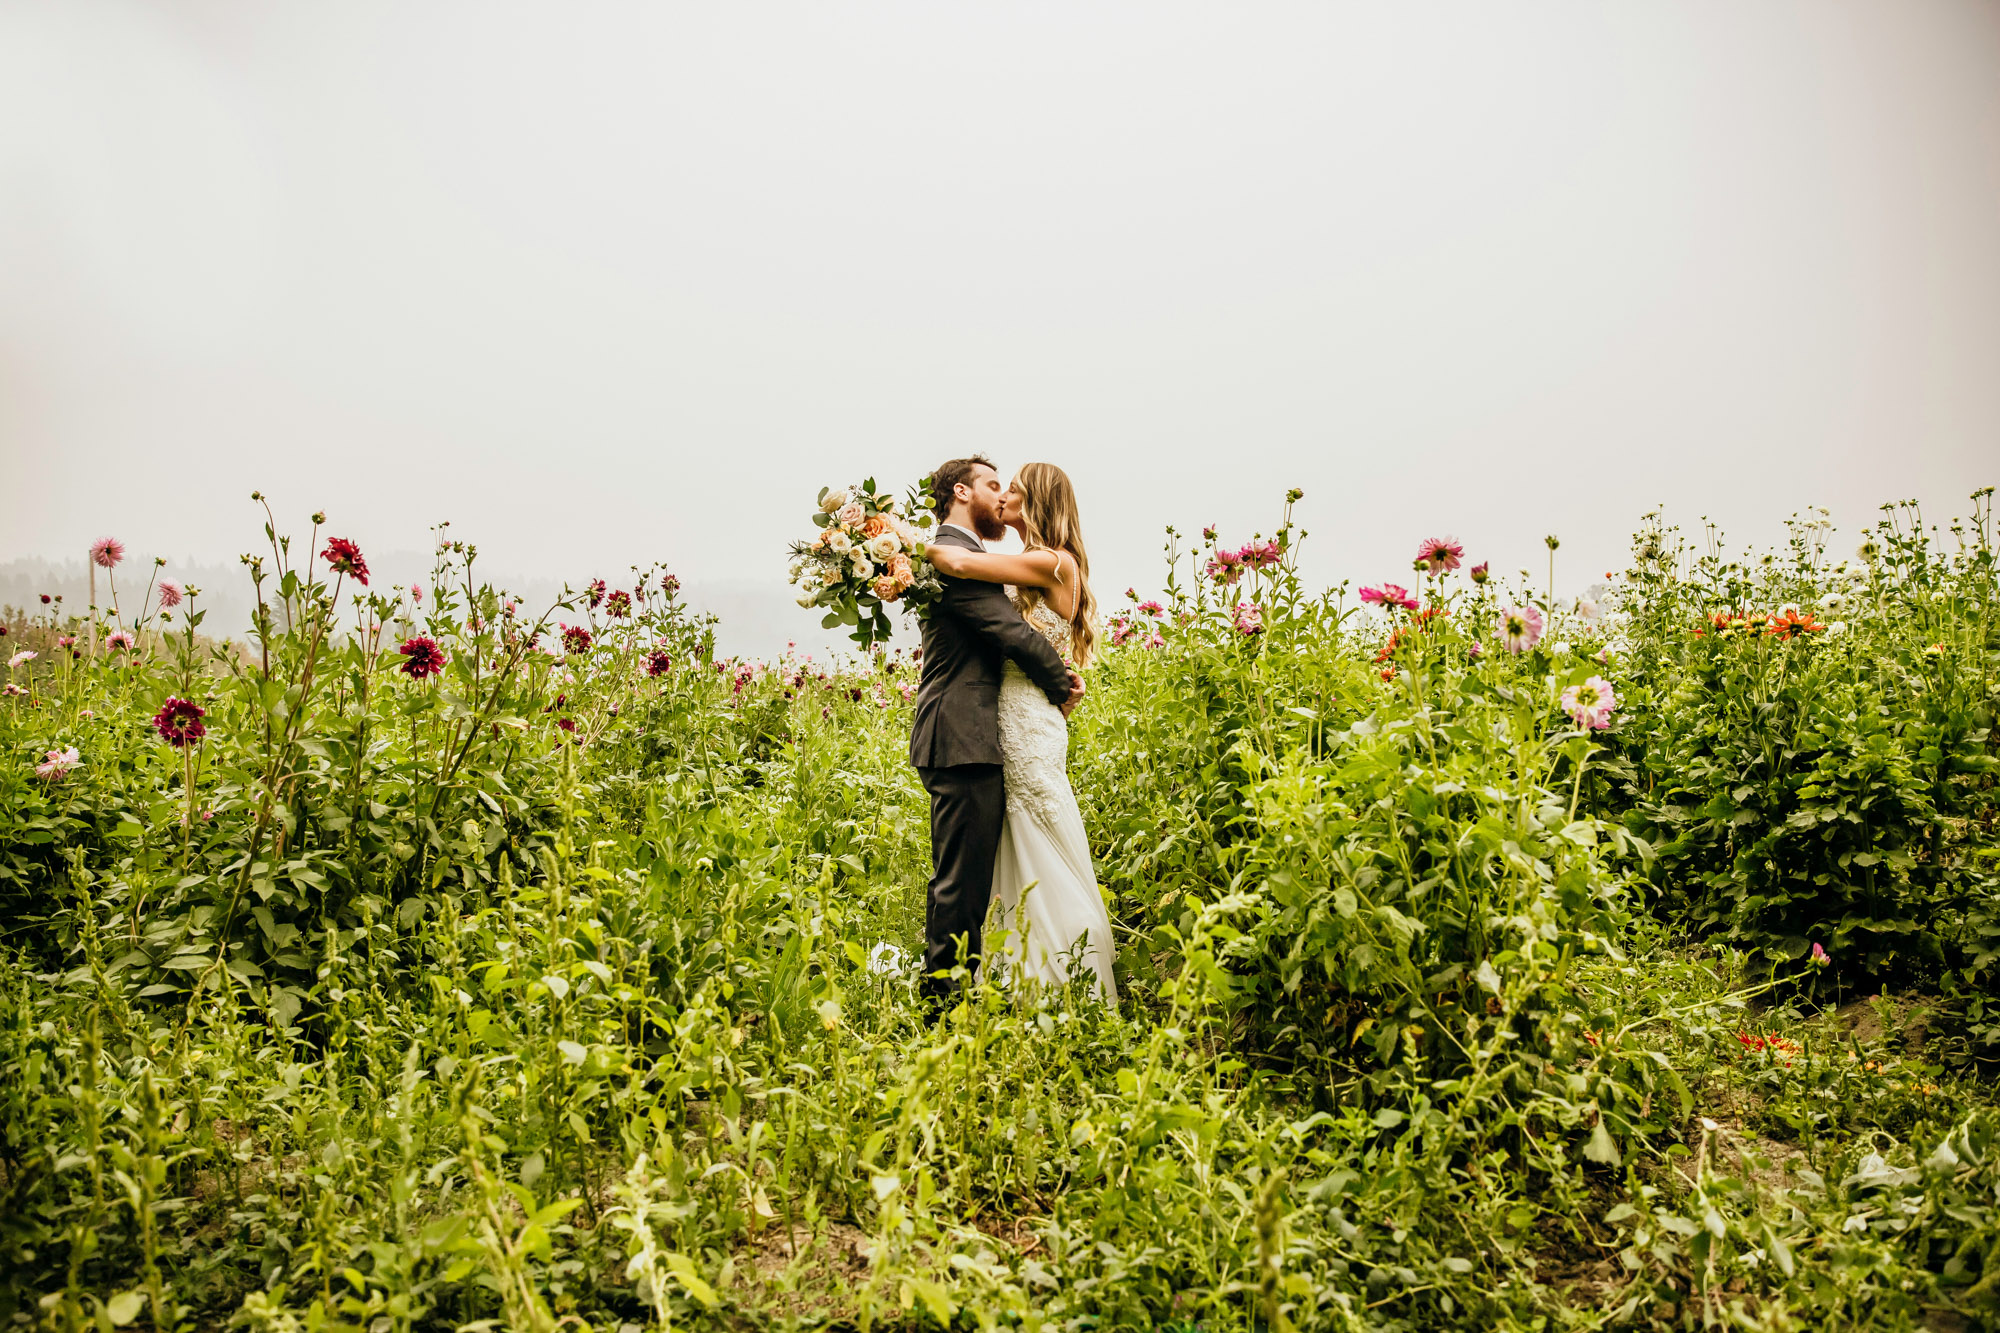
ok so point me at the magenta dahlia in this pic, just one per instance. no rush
(659, 662)
(179, 721)
(106, 552)
(344, 557)
(170, 594)
(1390, 594)
(118, 640)
(1440, 555)
(421, 657)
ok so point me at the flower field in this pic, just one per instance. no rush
(414, 958)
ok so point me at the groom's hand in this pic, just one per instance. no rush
(1075, 694)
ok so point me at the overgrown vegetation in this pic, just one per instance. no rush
(428, 967)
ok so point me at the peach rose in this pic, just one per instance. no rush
(887, 588)
(875, 524)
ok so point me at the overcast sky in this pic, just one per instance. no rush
(605, 283)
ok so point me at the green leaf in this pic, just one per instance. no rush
(124, 1307)
(682, 1268)
(1601, 1148)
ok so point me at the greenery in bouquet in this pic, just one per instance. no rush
(869, 554)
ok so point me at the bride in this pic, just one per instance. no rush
(1043, 882)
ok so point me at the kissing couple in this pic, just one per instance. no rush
(991, 735)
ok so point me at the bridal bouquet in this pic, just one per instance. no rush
(869, 554)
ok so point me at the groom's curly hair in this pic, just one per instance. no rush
(947, 477)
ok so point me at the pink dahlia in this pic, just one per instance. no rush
(118, 640)
(58, 763)
(344, 557)
(421, 657)
(179, 721)
(1260, 555)
(1440, 555)
(1589, 705)
(1248, 617)
(416, 592)
(106, 552)
(22, 658)
(575, 639)
(1153, 609)
(1225, 566)
(1520, 628)
(1480, 572)
(170, 594)
(618, 605)
(1390, 594)
(1120, 630)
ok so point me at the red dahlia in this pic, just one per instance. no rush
(421, 657)
(669, 584)
(596, 593)
(659, 662)
(179, 721)
(344, 557)
(618, 605)
(576, 639)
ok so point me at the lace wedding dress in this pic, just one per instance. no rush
(1044, 888)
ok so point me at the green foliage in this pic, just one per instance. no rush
(553, 990)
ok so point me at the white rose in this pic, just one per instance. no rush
(835, 498)
(807, 597)
(830, 575)
(839, 543)
(864, 568)
(851, 515)
(884, 546)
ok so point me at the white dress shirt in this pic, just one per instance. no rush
(967, 531)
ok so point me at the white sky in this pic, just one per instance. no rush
(602, 282)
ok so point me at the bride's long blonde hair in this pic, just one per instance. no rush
(1050, 522)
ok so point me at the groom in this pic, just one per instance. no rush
(955, 743)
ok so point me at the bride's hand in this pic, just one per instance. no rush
(948, 560)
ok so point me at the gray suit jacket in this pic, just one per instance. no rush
(969, 634)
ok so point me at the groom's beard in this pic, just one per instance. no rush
(989, 527)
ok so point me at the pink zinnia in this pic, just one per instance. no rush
(58, 763)
(1390, 594)
(170, 594)
(1520, 628)
(1589, 705)
(1440, 555)
(179, 721)
(344, 557)
(1260, 555)
(118, 640)
(106, 552)
(421, 657)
